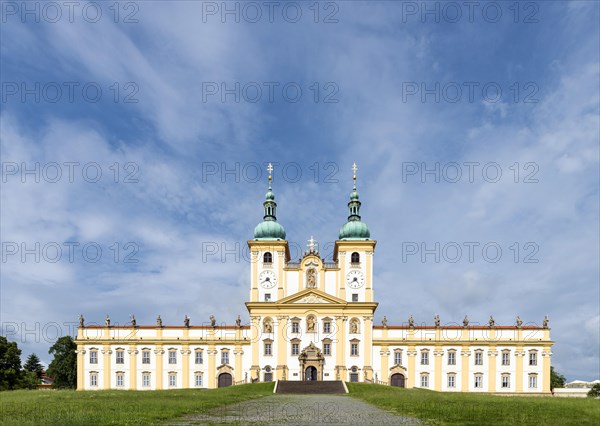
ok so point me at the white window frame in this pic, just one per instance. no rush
(451, 357)
(146, 383)
(452, 380)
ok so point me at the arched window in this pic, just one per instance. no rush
(355, 258)
(268, 258)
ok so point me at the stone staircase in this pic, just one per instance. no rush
(310, 387)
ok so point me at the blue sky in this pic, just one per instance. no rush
(362, 75)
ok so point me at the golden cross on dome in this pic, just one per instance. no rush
(270, 170)
(311, 243)
(354, 169)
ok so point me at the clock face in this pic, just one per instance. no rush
(355, 279)
(267, 279)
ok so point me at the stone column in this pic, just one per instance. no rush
(159, 352)
(185, 364)
(437, 372)
(341, 368)
(237, 353)
(492, 358)
(132, 366)
(411, 373)
(385, 364)
(106, 354)
(282, 347)
(368, 346)
(519, 354)
(80, 369)
(255, 336)
(464, 367)
(212, 379)
(546, 357)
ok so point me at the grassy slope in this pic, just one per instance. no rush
(117, 407)
(469, 409)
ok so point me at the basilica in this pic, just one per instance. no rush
(312, 319)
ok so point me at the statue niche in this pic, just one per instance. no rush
(311, 278)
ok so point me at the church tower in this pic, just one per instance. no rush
(269, 252)
(354, 253)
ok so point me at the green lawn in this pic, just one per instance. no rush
(468, 409)
(156, 407)
(117, 407)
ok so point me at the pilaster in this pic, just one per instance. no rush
(132, 366)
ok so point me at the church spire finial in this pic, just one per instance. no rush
(354, 169)
(270, 170)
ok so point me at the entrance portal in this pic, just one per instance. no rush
(310, 373)
(397, 380)
(311, 362)
(225, 380)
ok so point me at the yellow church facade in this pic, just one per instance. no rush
(312, 319)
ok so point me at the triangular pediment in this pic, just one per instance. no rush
(312, 296)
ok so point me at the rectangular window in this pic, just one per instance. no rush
(424, 358)
(224, 357)
(354, 349)
(267, 349)
(424, 381)
(478, 358)
(451, 358)
(326, 327)
(295, 327)
(451, 381)
(326, 348)
(505, 358)
(198, 358)
(354, 297)
(267, 297)
(505, 381)
(93, 379)
(198, 380)
(146, 380)
(532, 381)
(478, 382)
(172, 379)
(119, 379)
(295, 349)
(397, 358)
(120, 357)
(532, 358)
(172, 357)
(145, 357)
(94, 357)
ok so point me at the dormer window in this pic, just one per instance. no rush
(267, 258)
(355, 258)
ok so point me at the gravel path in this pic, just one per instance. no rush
(299, 410)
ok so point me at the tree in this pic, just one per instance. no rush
(28, 380)
(10, 364)
(33, 364)
(594, 391)
(63, 367)
(557, 380)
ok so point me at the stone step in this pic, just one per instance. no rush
(310, 387)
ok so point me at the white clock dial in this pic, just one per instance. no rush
(355, 279)
(267, 279)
